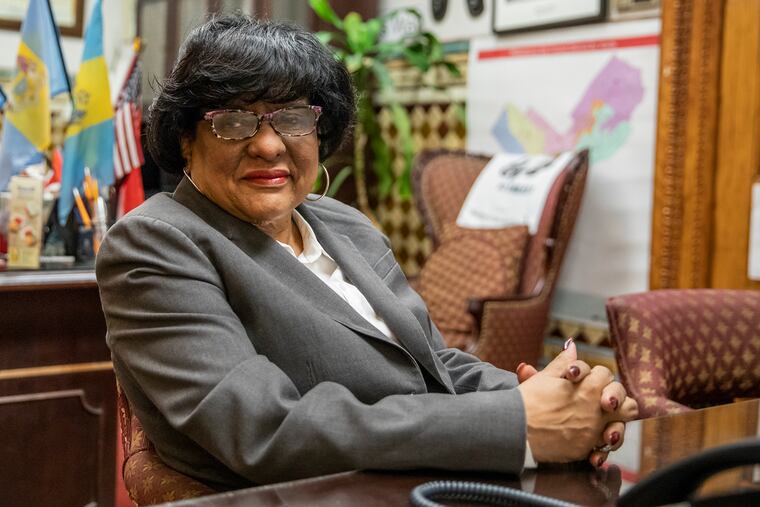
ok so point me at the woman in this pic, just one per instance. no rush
(262, 334)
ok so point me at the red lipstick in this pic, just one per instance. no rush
(268, 178)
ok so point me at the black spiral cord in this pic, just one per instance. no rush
(424, 494)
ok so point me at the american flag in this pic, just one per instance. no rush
(127, 152)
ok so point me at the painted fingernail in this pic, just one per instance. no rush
(600, 461)
(614, 438)
(574, 371)
(614, 403)
(567, 343)
(519, 366)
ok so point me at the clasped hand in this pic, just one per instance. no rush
(573, 410)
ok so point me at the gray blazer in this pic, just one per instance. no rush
(245, 368)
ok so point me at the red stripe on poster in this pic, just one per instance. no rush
(570, 47)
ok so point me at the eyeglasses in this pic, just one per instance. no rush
(291, 121)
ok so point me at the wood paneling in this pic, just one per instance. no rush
(738, 143)
(58, 436)
(707, 143)
(38, 329)
(686, 143)
(57, 395)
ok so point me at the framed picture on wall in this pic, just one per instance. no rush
(510, 16)
(68, 14)
(630, 9)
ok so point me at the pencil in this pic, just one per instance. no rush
(82, 210)
(95, 190)
(87, 184)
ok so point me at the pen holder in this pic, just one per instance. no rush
(85, 245)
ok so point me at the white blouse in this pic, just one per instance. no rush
(321, 264)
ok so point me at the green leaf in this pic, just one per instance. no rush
(452, 68)
(359, 48)
(374, 27)
(354, 62)
(325, 37)
(338, 180)
(355, 31)
(384, 180)
(406, 142)
(382, 75)
(381, 155)
(405, 183)
(461, 114)
(389, 50)
(317, 183)
(417, 59)
(323, 9)
(430, 46)
(401, 120)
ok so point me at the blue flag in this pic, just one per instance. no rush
(90, 135)
(40, 74)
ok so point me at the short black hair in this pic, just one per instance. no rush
(234, 59)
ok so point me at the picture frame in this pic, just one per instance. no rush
(514, 16)
(633, 9)
(68, 14)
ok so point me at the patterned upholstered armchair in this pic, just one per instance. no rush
(489, 291)
(688, 348)
(148, 479)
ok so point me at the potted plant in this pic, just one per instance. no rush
(359, 45)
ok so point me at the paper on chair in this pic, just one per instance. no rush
(754, 234)
(511, 190)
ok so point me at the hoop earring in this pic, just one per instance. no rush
(187, 175)
(327, 185)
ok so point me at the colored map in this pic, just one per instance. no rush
(600, 121)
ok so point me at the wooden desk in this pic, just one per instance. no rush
(57, 391)
(650, 444)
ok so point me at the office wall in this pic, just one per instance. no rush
(624, 250)
(456, 24)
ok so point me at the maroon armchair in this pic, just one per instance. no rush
(147, 478)
(687, 348)
(489, 290)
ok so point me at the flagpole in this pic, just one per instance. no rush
(60, 50)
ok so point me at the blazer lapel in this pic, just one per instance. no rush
(399, 319)
(276, 260)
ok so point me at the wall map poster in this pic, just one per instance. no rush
(586, 87)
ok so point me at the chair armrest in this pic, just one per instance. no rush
(476, 306)
(510, 330)
(658, 405)
(414, 282)
(149, 481)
